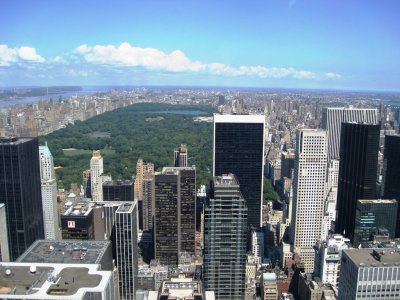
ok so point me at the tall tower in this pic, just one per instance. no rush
(20, 192)
(239, 149)
(391, 173)
(96, 170)
(126, 249)
(332, 119)
(49, 194)
(175, 213)
(357, 172)
(308, 193)
(148, 200)
(141, 169)
(225, 228)
(181, 156)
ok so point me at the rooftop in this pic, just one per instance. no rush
(376, 201)
(65, 252)
(13, 140)
(50, 281)
(239, 118)
(368, 257)
(45, 150)
(226, 179)
(79, 208)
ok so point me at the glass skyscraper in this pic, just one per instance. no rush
(359, 144)
(225, 229)
(391, 173)
(20, 191)
(239, 149)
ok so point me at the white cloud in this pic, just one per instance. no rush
(7, 55)
(83, 49)
(177, 61)
(12, 55)
(333, 76)
(29, 53)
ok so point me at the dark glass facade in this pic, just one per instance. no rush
(20, 191)
(174, 213)
(118, 190)
(391, 185)
(359, 145)
(238, 149)
(374, 215)
(77, 227)
(225, 228)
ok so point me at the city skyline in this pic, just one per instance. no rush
(287, 44)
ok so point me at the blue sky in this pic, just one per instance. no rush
(271, 43)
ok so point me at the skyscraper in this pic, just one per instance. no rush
(332, 119)
(118, 190)
(174, 213)
(391, 172)
(126, 249)
(357, 172)
(225, 228)
(372, 216)
(181, 156)
(96, 170)
(239, 149)
(308, 193)
(49, 194)
(369, 274)
(4, 252)
(141, 169)
(148, 200)
(20, 192)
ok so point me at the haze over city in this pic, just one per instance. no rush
(291, 44)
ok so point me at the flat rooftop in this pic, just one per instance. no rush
(14, 140)
(65, 252)
(377, 201)
(79, 208)
(226, 179)
(51, 281)
(378, 257)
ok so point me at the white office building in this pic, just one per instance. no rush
(308, 193)
(96, 170)
(49, 194)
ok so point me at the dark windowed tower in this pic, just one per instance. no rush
(391, 174)
(118, 190)
(225, 228)
(374, 217)
(239, 149)
(20, 191)
(174, 213)
(357, 172)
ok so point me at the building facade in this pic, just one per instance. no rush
(357, 172)
(181, 156)
(118, 190)
(49, 194)
(239, 149)
(373, 216)
(96, 170)
(126, 249)
(225, 239)
(369, 274)
(174, 213)
(391, 174)
(332, 119)
(308, 193)
(21, 193)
